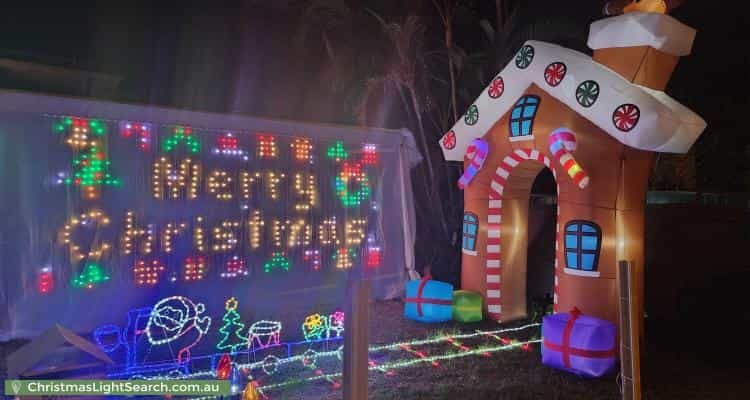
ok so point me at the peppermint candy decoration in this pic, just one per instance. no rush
(587, 93)
(497, 86)
(472, 115)
(449, 140)
(555, 73)
(626, 116)
(524, 57)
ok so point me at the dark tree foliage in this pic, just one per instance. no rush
(386, 63)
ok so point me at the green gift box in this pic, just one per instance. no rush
(467, 306)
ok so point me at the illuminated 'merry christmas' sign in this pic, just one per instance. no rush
(187, 204)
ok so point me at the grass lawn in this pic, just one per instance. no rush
(694, 365)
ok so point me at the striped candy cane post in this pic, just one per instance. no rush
(476, 153)
(561, 143)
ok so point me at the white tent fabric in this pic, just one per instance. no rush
(33, 210)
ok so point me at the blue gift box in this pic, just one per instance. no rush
(428, 301)
(583, 345)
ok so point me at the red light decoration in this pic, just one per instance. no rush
(194, 268)
(267, 148)
(140, 131)
(224, 367)
(369, 154)
(373, 257)
(45, 282)
(228, 145)
(373, 253)
(234, 268)
(312, 256)
(227, 142)
(147, 274)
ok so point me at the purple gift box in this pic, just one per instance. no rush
(583, 345)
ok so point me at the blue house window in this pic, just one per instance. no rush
(522, 116)
(471, 227)
(582, 243)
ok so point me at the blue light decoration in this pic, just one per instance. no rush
(108, 337)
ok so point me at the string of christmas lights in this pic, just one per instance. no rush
(312, 256)
(91, 276)
(147, 274)
(185, 182)
(227, 145)
(351, 174)
(337, 152)
(220, 185)
(234, 268)
(45, 281)
(138, 130)
(302, 149)
(344, 257)
(94, 218)
(225, 236)
(267, 148)
(273, 365)
(277, 261)
(181, 134)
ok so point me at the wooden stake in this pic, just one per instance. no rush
(356, 342)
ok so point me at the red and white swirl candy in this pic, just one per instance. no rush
(476, 153)
(561, 143)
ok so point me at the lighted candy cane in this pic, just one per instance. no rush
(476, 153)
(561, 143)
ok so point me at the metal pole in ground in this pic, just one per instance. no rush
(630, 322)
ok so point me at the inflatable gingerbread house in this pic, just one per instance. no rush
(596, 123)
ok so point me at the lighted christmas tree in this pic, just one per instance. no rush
(92, 275)
(91, 172)
(91, 165)
(231, 324)
(277, 261)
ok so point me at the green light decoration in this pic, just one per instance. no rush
(277, 261)
(92, 170)
(337, 151)
(480, 351)
(91, 165)
(91, 276)
(231, 331)
(461, 351)
(344, 257)
(181, 134)
(92, 125)
(352, 175)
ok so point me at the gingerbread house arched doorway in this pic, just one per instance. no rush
(508, 233)
(540, 254)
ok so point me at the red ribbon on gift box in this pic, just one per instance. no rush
(421, 300)
(565, 348)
